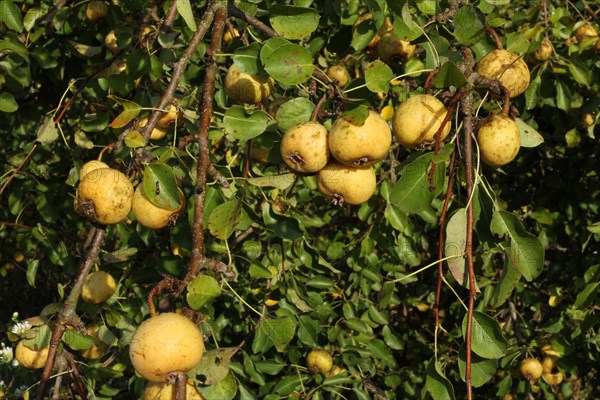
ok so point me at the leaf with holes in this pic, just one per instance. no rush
(213, 366)
(160, 186)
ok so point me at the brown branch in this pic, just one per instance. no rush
(249, 19)
(180, 386)
(315, 113)
(17, 225)
(79, 385)
(208, 91)
(212, 171)
(178, 71)
(167, 25)
(449, 192)
(452, 9)
(67, 314)
(466, 105)
(495, 36)
(50, 14)
(16, 171)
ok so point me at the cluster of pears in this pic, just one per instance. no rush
(348, 177)
(105, 195)
(532, 369)
(499, 137)
(386, 45)
(319, 361)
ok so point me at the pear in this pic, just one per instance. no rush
(508, 68)
(304, 147)
(345, 184)
(499, 140)
(360, 145)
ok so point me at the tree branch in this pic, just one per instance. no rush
(67, 314)
(208, 91)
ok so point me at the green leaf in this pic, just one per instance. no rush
(213, 366)
(406, 28)
(456, 239)
(134, 139)
(482, 370)
(526, 252)
(284, 227)
(32, 15)
(271, 46)
(77, 341)
(83, 141)
(586, 297)
(506, 284)
(378, 76)
(412, 192)
(517, 42)
(131, 110)
(184, 8)
(47, 133)
(362, 34)
(277, 332)
(449, 75)
(487, 339)
(468, 24)
(582, 74)
(436, 383)
(247, 58)
(201, 290)
(594, 228)
(32, 268)
(225, 389)
(290, 64)
(356, 114)
(160, 186)
(529, 136)
(8, 104)
(11, 15)
(225, 218)
(281, 182)
(244, 124)
(293, 112)
(293, 23)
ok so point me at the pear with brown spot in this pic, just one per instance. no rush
(508, 68)
(304, 147)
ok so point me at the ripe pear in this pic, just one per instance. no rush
(418, 119)
(543, 53)
(360, 145)
(104, 195)
(394, 51)
(345, 184)
(110, 40)
(319, 361)
(382, 30)
(499, 140)
(171, 116)
(98, 287)
(508, 68)
(246, 88)
(96, 350)
(338, 73)
(30, 358)
(89, 167)
(553, 379)
(150, 215)
(304, 147)
(96, 10)
(157, 133)
(585, 31)
(531, 369)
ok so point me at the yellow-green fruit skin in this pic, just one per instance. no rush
(393, 50)
(110, 40)
(418, 119)
(29, 358)
(89, 167)
(499, 140)
(362, 145)
(508, 68)
(544, 52)
(98, 349)
(163, 344)
(246, 88)
(319, 361)
(98, 287)
(96, 10)
(339, 73)
(531, 369)
(149, 215)
(104, 195)
(304, 147)
(354, 184)
(166, 391)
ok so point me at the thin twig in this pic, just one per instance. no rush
(236, 12)
(167, 25)
(495, 36)
(449, 192)
(16, 171)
